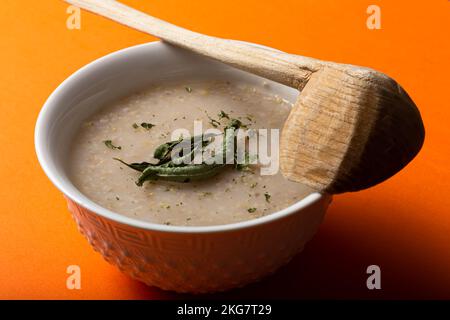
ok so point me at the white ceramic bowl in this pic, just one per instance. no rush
(182, 259)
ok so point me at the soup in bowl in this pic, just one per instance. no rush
(97, 138)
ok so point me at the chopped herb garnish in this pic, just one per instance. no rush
(110, 145)
(117, 198)
(251, 210)
(135, 125)
(267, 196)
(188, 89)
(222, 115)
(147, 126)
(253, 185)
(212, 121)
(236, 123)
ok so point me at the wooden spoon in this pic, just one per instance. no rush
(351, 127)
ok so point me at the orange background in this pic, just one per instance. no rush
(401, 225)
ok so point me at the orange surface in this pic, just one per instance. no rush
(402, 225)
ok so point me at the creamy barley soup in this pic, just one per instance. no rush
(131, 129)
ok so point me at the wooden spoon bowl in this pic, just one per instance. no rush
(350, 129)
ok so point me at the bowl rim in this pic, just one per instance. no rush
(42, 124)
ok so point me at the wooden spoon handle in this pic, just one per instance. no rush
(281, 67)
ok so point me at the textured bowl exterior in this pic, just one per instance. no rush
(200, 262)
